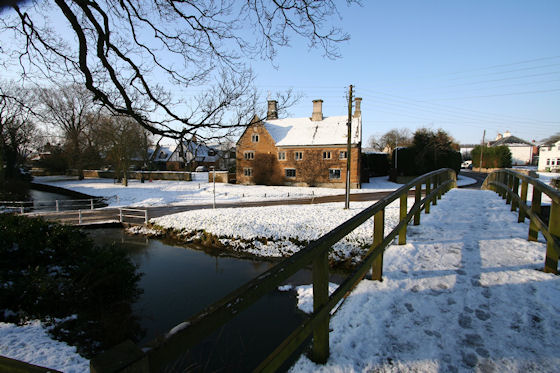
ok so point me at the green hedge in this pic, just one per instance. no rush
(492, 157)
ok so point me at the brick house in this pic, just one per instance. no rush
(300, 151)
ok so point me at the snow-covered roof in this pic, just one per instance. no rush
(304, 131)
(164, 153)
(510, 140)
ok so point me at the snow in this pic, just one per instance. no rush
(32, 344)
(166, 192)
(304, 131)
(464, 294)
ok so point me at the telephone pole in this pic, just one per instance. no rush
(348, 148)
(481, 151)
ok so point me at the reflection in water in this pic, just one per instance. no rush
(178, 282)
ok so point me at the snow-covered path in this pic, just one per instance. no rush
(464, 294)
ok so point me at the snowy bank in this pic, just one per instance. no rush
(277, 231)
(464, 294)
(32, 344)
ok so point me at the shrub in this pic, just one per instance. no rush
(55, 273)
(492, 157)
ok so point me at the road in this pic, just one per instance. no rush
(478, 176)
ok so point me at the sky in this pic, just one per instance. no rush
(463, 66)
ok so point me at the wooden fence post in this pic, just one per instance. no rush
(320, 353)
(524, 188)
(56, 203)
(435, 184)
(417, 198)
(428, 190)
(79, 216)
(91, 203)
(378, 235)
(551, 261)
(440, 180)
(146, 217)
(535, 209)
(403, 212)
(509, 187)
(120, 216)
(514, 203)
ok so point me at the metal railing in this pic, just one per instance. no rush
(128, 357)
(134, 214)
(54, 205)
(507, 183)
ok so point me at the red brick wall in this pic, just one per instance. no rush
(311, 170)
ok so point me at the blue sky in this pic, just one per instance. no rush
(463, 66)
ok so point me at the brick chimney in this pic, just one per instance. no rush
(357, 109)
(317, 110)
(272, 110)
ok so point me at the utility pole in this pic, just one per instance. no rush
(481, 151)
(348, 149)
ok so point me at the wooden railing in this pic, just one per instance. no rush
(507, 183)
(127, 357)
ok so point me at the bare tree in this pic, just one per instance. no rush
(70, 110)
(124, 140)
(124, 52)
(390, 140)
(17, 130)
(312, 167)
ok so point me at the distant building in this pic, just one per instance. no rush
(549, 157)
(522, 152)
(300, 151)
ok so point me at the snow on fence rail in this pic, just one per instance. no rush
(164, 351)
(506, 183)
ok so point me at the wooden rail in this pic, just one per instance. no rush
(506, 183)
(127, 357)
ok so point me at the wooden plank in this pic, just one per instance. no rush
(535, 209)
(428, 191)
(8, 365)
(417, 198)
(524, 188)
(378, 233)
(515, 190)
(402, 216)
(435, 184)
(509, 183)
(551, 261)
(320, 351)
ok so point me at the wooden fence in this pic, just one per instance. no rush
(507, 183)
(128, 357)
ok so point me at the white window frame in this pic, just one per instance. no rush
(300, 156)
(326, 155)
(281, 156)
(249, 155)
(290, 169)
(255, 137)
(247, 171)
(331, 174)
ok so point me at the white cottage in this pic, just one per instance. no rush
(549, 157)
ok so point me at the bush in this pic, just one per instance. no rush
(374, 164)
(492, 157)
(56, 274)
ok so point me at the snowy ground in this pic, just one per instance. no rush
(161, 192)
(32, 344)
(464, 294)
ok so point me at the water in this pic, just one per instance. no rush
(46, 200)
(179, 282)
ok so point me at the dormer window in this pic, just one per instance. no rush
(255, 137)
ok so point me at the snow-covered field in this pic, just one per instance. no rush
(464, 294)
(163, 192)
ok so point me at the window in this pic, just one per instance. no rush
(343, 155)
(548, 162)
(162, 155)
(334, 173)
(249, 155)
(298, 156)
(290, 172)
(326, 155)
(281, 156)
(211, 152)
(255, 137)
(248, 171)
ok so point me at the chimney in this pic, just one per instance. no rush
(357, 109)
(507, 134)
(272, 110)
(317, 110)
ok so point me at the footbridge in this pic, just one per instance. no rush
(472, 287)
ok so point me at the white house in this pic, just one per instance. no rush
(549, 157)
(521, 150)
